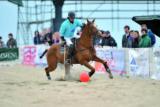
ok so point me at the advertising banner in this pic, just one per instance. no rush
(156, 58)
(115, 60)
(9, 54)
(29, 55)
(139, 62)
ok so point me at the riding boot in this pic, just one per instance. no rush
(70, 53)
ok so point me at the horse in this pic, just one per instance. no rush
(84, 52)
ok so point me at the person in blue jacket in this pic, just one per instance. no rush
(150, 34)
(67, 31)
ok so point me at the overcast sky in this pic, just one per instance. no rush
(8, 19)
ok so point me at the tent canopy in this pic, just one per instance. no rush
(17, 2)
(152, 22)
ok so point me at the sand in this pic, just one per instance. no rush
(22, 86)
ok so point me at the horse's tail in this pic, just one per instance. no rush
(43, 54)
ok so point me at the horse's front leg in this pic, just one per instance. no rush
(97, 59)
(90, 67)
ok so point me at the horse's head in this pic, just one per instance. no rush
(88, 31)
(92, 29)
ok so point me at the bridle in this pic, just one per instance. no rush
(92, 45)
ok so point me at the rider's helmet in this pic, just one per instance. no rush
(71, 15)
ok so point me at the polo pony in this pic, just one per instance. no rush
(84, 52)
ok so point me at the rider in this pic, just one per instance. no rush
(67, 30)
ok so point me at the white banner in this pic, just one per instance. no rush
(139, 62)
(41, 62)
(31, 55)
(115, 59)
(156, 58)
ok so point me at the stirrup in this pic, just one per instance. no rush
(68, 61)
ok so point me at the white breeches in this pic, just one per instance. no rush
(68, 41)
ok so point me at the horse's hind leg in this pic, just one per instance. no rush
(47, 73)
(105, 65)
(108, 70)
(49, 69)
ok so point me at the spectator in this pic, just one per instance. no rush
(56, 38)
(1, 43)
(145, 41)
(125, 36)
(37, 38)
(108, 40)
(150, 34)
(11, 43)
(97, 40)
(135, 41)
(129, 43)
(48, 37)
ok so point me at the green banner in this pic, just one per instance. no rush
(8, 54)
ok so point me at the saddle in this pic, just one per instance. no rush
(70, 49)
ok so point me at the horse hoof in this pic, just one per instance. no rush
(49, 78)
(110, 76)
(90, 73)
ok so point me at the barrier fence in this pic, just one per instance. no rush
(143, 62)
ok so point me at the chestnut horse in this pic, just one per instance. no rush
(84, 52)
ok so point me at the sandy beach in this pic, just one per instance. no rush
(22, 86)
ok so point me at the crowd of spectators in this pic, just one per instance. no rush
(51, 38)
(46, 37)
(104, 40)
(135, 39)
(130, 39)
(11, 43)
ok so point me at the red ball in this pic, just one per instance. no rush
(84, 77)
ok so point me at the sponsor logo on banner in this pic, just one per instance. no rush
(9, 54)
(133, 65)
(29, 55)
(139, 62)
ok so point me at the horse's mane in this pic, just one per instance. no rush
(83, 26)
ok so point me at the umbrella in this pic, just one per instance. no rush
(152, 22)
